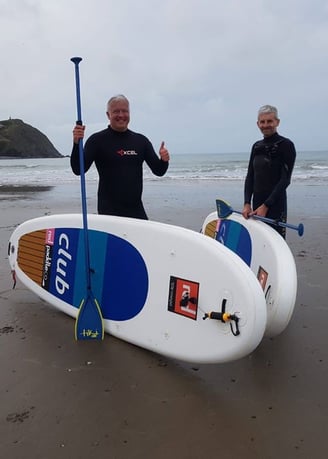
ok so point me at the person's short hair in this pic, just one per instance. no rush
(268, 109)
(116, 98)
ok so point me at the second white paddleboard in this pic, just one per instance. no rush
(268, 256)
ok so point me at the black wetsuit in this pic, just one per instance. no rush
(269, 173)
(119, 158)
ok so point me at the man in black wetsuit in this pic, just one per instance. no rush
(269, 171)
(118, 154)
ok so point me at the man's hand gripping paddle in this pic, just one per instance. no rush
(224, 210)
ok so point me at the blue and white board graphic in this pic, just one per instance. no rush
(236, 237)
(118, 272)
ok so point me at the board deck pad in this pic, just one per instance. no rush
(31, 255)
(157, 299)
(269, 257)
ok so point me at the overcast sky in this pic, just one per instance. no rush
(195, 71)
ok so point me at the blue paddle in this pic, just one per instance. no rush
(89, 321)
(224, 210)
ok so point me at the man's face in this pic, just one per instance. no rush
(268, 124)
(119, 115)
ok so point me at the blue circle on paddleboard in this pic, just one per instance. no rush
(125, 280)
(119, 276)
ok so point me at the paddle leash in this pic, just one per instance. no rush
(224, 317)
(89, 322)
(224, 210)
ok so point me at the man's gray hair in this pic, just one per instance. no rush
(268, 109)
(116, 98)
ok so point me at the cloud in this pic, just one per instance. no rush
(195, 72)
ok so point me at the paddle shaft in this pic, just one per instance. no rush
(76, 61)
(89, 322)
(298, 228)
(224, 210)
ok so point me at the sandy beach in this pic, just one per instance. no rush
(66, 399)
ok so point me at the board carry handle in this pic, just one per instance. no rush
(89, 322)
(224, 317)
(225, 210)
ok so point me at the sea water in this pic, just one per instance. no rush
(311, 168)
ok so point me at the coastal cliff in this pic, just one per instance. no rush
(20, 140)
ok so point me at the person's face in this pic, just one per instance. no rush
(268, 124)
(119, 115)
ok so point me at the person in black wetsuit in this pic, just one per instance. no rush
(269, 171)
(118, 154)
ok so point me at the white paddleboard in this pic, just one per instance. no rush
(154, 283)
(268, 256)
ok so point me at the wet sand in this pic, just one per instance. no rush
(66, 399)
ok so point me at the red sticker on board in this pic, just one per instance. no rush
(50, 236)
(262, 276)
(183, 297)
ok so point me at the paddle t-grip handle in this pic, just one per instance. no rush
(76, 61)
